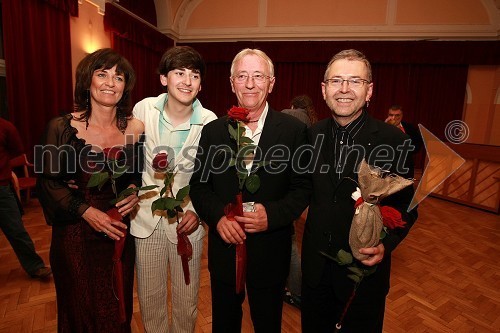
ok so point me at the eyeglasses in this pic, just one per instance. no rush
(337, 82)
(257, 77)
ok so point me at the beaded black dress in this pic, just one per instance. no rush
(81, 258)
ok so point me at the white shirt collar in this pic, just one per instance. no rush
(260, 124)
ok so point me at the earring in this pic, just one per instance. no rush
(367, 103)
(87, 112)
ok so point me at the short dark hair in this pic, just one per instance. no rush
(179, 57)
(351, 55)
(396, 107)
(103, 59)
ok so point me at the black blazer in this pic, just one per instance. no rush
(332, 208)
(283, 191)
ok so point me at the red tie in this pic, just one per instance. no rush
(401, 128)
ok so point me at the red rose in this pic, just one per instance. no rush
(238, 114)
(160, 162)
(113, 153)
(391, 217)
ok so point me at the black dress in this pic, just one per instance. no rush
(81, 258)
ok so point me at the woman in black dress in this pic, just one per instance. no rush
(75, 146)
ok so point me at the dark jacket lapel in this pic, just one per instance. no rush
(368, 135)
(270, 136)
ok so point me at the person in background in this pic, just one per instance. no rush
(340, 141)
(100, 132)
(11, 222)
(302, 108)
(173, 123)
(395, 117)
(282, 196)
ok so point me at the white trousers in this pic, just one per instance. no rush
(154, 256)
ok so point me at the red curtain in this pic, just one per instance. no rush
(67, 6)
(145, 9)
(427, 79)
(142, 45)
(38, 64)
(431, 94)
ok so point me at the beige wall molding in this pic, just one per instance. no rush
(219, 20)
(99, 4)
(416, 32)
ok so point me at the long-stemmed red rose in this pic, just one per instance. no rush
(172, 205)
(160, 162)
(231, 210)
(249, 180)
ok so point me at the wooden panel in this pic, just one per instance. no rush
(487, 184)
(477, 182)
(459, 182)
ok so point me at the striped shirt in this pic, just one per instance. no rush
(343, 139)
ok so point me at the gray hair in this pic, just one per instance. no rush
(256, 52)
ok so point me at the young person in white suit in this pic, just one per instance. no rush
(173, 122)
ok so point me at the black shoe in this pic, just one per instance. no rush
(41, 273)
(292, 299)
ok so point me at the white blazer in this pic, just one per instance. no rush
(143, 223)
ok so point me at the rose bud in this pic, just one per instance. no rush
(160, 162)
(238, 114)
(113, 153)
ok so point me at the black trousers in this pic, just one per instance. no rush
(321, 308)
(266, 306)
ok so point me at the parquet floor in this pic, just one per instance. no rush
(445, 278)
